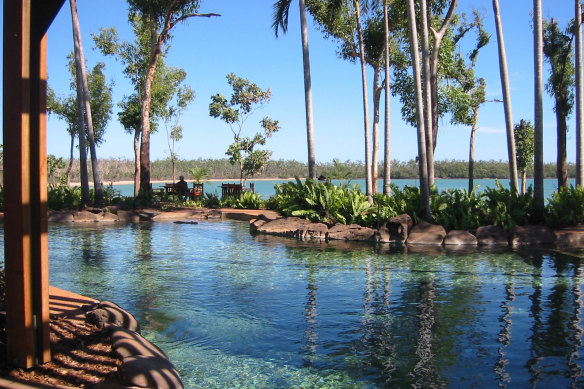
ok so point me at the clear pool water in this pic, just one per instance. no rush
(234, 310)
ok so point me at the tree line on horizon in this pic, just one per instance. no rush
(119, 169)
(416, 44)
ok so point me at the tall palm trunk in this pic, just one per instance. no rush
(538, 194)
(473, 132)
(368, 179)
(511, 151)
(579, 97)
(387, 150)
(307, 92)
(427, 91)
(377, 89)
(80, 65)
(70, 166)
(136, 163)
(85, 199)
(422, 163)
(562, 160)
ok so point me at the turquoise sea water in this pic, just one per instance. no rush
(266, 188)
(234, 310)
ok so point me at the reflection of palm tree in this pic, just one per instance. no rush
(505, 334)
(537, 330)
(426, 317)
(310, 315)
(575, 324)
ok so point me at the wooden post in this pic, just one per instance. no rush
(25, 190)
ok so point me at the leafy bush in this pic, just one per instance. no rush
(565, 208)
(504, 208)
(320, 201)
(212, 200)
(455, 209)
(64, 197)
(246, 200)
(406, 201)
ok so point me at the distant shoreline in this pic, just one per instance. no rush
(105, 183)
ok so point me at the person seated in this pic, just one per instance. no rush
(181, 188)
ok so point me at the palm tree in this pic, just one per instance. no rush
(281, 8)
(506, 99)
(538, 196)
(387, 151)
(413, 37)
(427, 90)
(579, 96)
(368, 177)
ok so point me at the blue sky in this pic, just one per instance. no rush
(241, 41)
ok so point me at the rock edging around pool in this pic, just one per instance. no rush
(143, 364)
(401, 230)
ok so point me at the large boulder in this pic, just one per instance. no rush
(108, 313)
(425, 233)
(492, 236)
(460, 237)
(532, 235)
(395, 229)
(86, 217)
(353, 232)
(61, 216)
(292, 227)
(572, 237)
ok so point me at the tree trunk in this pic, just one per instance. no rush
(511, 153)
(368, 179)
(377, 89)
(438, 36)
(136, 163)
(80, 64)
(473, 132)
(70, 166)
(427, 92)
(145, 114)
(307, 92)
(538, 195)
(579, 97)
(423, 167)
(523, 182)
(387, 149)
(85, 199)
(562, 162)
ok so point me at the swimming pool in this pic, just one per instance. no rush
(234, 310)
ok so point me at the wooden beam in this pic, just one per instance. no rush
(25, 190)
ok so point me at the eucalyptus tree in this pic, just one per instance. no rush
(100, 98)
(579, 70)
(85, 119)
(538, 175)
(523, 133)
(445, 64)
(135, 58)
(281, 9)
(503, 71)
(423, 167)
(557, 48)
(161, 17)
(246, 97)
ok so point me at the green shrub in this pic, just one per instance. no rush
(406, 200)
(565, 208)
(320, 201)
(64, 197)
(211, 200)
(245, 200)
(455, 209)
(504, 208)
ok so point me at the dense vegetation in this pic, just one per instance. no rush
(113, 170)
